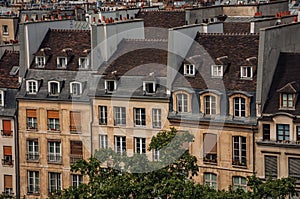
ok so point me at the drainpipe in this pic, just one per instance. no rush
(91, 126)
(16, 139)
(253, 148)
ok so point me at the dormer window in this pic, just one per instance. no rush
(149, 87)
(61, 62)
(217, 70)
(53, 88)
(189, 69)
(110, 85)
(40, 61)
(75, 88)
(246, 72)
(287, 100)
(31, 86)
(1, 98)
(83, 63)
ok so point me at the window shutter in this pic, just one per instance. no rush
(31, 113)
(8, 181)
(6, 126)
(210, 143)
(53, 114)
(76, 147)
(271, 166)
(75, 119)
(294, 168)
(7, 150)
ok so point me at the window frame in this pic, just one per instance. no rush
(58, 182)
(57, 152)
(240, 112)
(139, 115)
(102, 113)
(211, 110)
(50, 88)
(240, 184)
(288, 100)
(285, 132)
(40, 61)
(83, 64)
(239, 146)
(107, 85)
(145, 83)
(266, 131)
(156, 155)
(35, 182)
(122, 144)
(246, 68)
(32, 155)
(217, 71)
(119, 115)
(59, 63)
(182, 102)
(31, 89)
(79, 88)
(273, 175)
(140, 145)
(103, 141)
(156, 118)
(189, 70)
(210, 182)
(78, 179)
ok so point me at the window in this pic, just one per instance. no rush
(287, 100)
(75, 151)
(31, 86)
(239, 107)
(266, 131)
(189, 69)
(120, 144)
(239, 150)
(239, 182)
(139, 117)
(5, 29)
(103, 142)
(83, 62)
(40, 61)
(54, 182)
(7, 155)
(76, 180)
(8, 185)
(294, 168)
(210, 105)
(54, 152)
(210, 179)
(31, 119)
(182, 103)
(75, 88)
(217, 71)
(271, 166)
(6, 126)
(32, 150)
(210, 147)
(155, 154)
(246, 72)
(75, 121)
(102, 115)
(119, 115)
(110, 86)
(149, 87)
(283, 132)
(53, 88)
(298, 134)
(33, 182)
(156, 118)
(53, 121)
(140, 145)
(1, 98)
(61, 62)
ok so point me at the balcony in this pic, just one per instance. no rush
(7, 162)
(53, 158)
(75, 129)
(7, 133)
(74, 158)
(210, 158)
(279, 143)
(32, 157)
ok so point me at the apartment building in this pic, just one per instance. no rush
(9, 27)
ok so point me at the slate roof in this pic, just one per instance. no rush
(286, 79)
(7, 61)
(58, 40)
(236, 27)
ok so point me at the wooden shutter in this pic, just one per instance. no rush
(75, 119)
(294, 167)
(7, 150)
(31, 113)
(271, 166)
(76, 147)
(6, 126)
(8, 181)
(210, 143)
(53, 114)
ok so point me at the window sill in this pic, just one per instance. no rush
(53, 131)
(240, 166)
(33, 161)
(210, 163)
(59, 163)
(33, 194)
(287, 108)
(246, 78)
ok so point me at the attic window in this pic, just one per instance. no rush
(287, 100)
(83, 62)
(189, 69)
(246, 72)
(31, 86)
(14, 70)
(149, 87)
(40, 61)
(53, 88)
(61, 62)
(110, 86)
(75, 88)
(1, 98)
(217, 70)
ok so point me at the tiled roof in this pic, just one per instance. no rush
(236, 27)
(287, 74)
(209, 49)
(60, 40)
(7, 61)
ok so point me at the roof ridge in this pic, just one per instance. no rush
(67, 30)
(149, 40)
(229, 34)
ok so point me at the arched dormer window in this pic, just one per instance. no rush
(239, 105)
(75, 88)
(210, 102)
(182, 101)
(53, 88)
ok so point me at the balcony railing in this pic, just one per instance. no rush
(74, 158)
(32, 127)
(54, 192)
(279, 143)
(33, 157)
(8, 192)
(7, 133)
(7, 162)
(54, 159)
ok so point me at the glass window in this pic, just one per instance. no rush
(83, 62)
(119, 115)
(217, 71)
(76, 180)
(210, 147)
(155, 154)
(7, 155)
(239, 182)
(156, 118)
(271, 166)
(31, 119)
(110, 85)
(210, 179)
(61, 62)
(40, 61)
(103, 142)
(6, 128)
(139, 117)
(8, 185)
(33, 182)
(31, 86)
(283, 132)
(246, 72)
(287, 100)
(239, 107)
(182, 103)
(75, 121)
(149, 87)
(32, 150)
(53, 88)
(76, 151)
(239, 151)
(140, 145)
(102, 115)
(266, 131)
(53, 121)
(120, 144)
(210, 105)
(75, 88)
(54, 182)
(189, 69)
(54, 152)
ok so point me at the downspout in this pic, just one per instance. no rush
(253, 149)
(91, 126)
(17, 165)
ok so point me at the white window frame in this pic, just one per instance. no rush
(212, 109)
(5, 32)
(32, 86)
(140, 145)
(103, 141)
(32, 150)
(122, 148)
(239, 185)
(155, 155)
(58, 87)
(217, 70)
(145, 83)
(61, 64)
(240, 149)
(210, 182)
(40, 61)
(55, 122)
(76, 93)
(106, 86)
(58, 181)
(83, 62)
(102, 111)
(239, 104)
(1, 98)
(139, 113)
(189, 69)
(119, 115)
(184, 102)
(244, 72)
(156, 118)
(33, 180)
(76, 180)
(56, 152)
